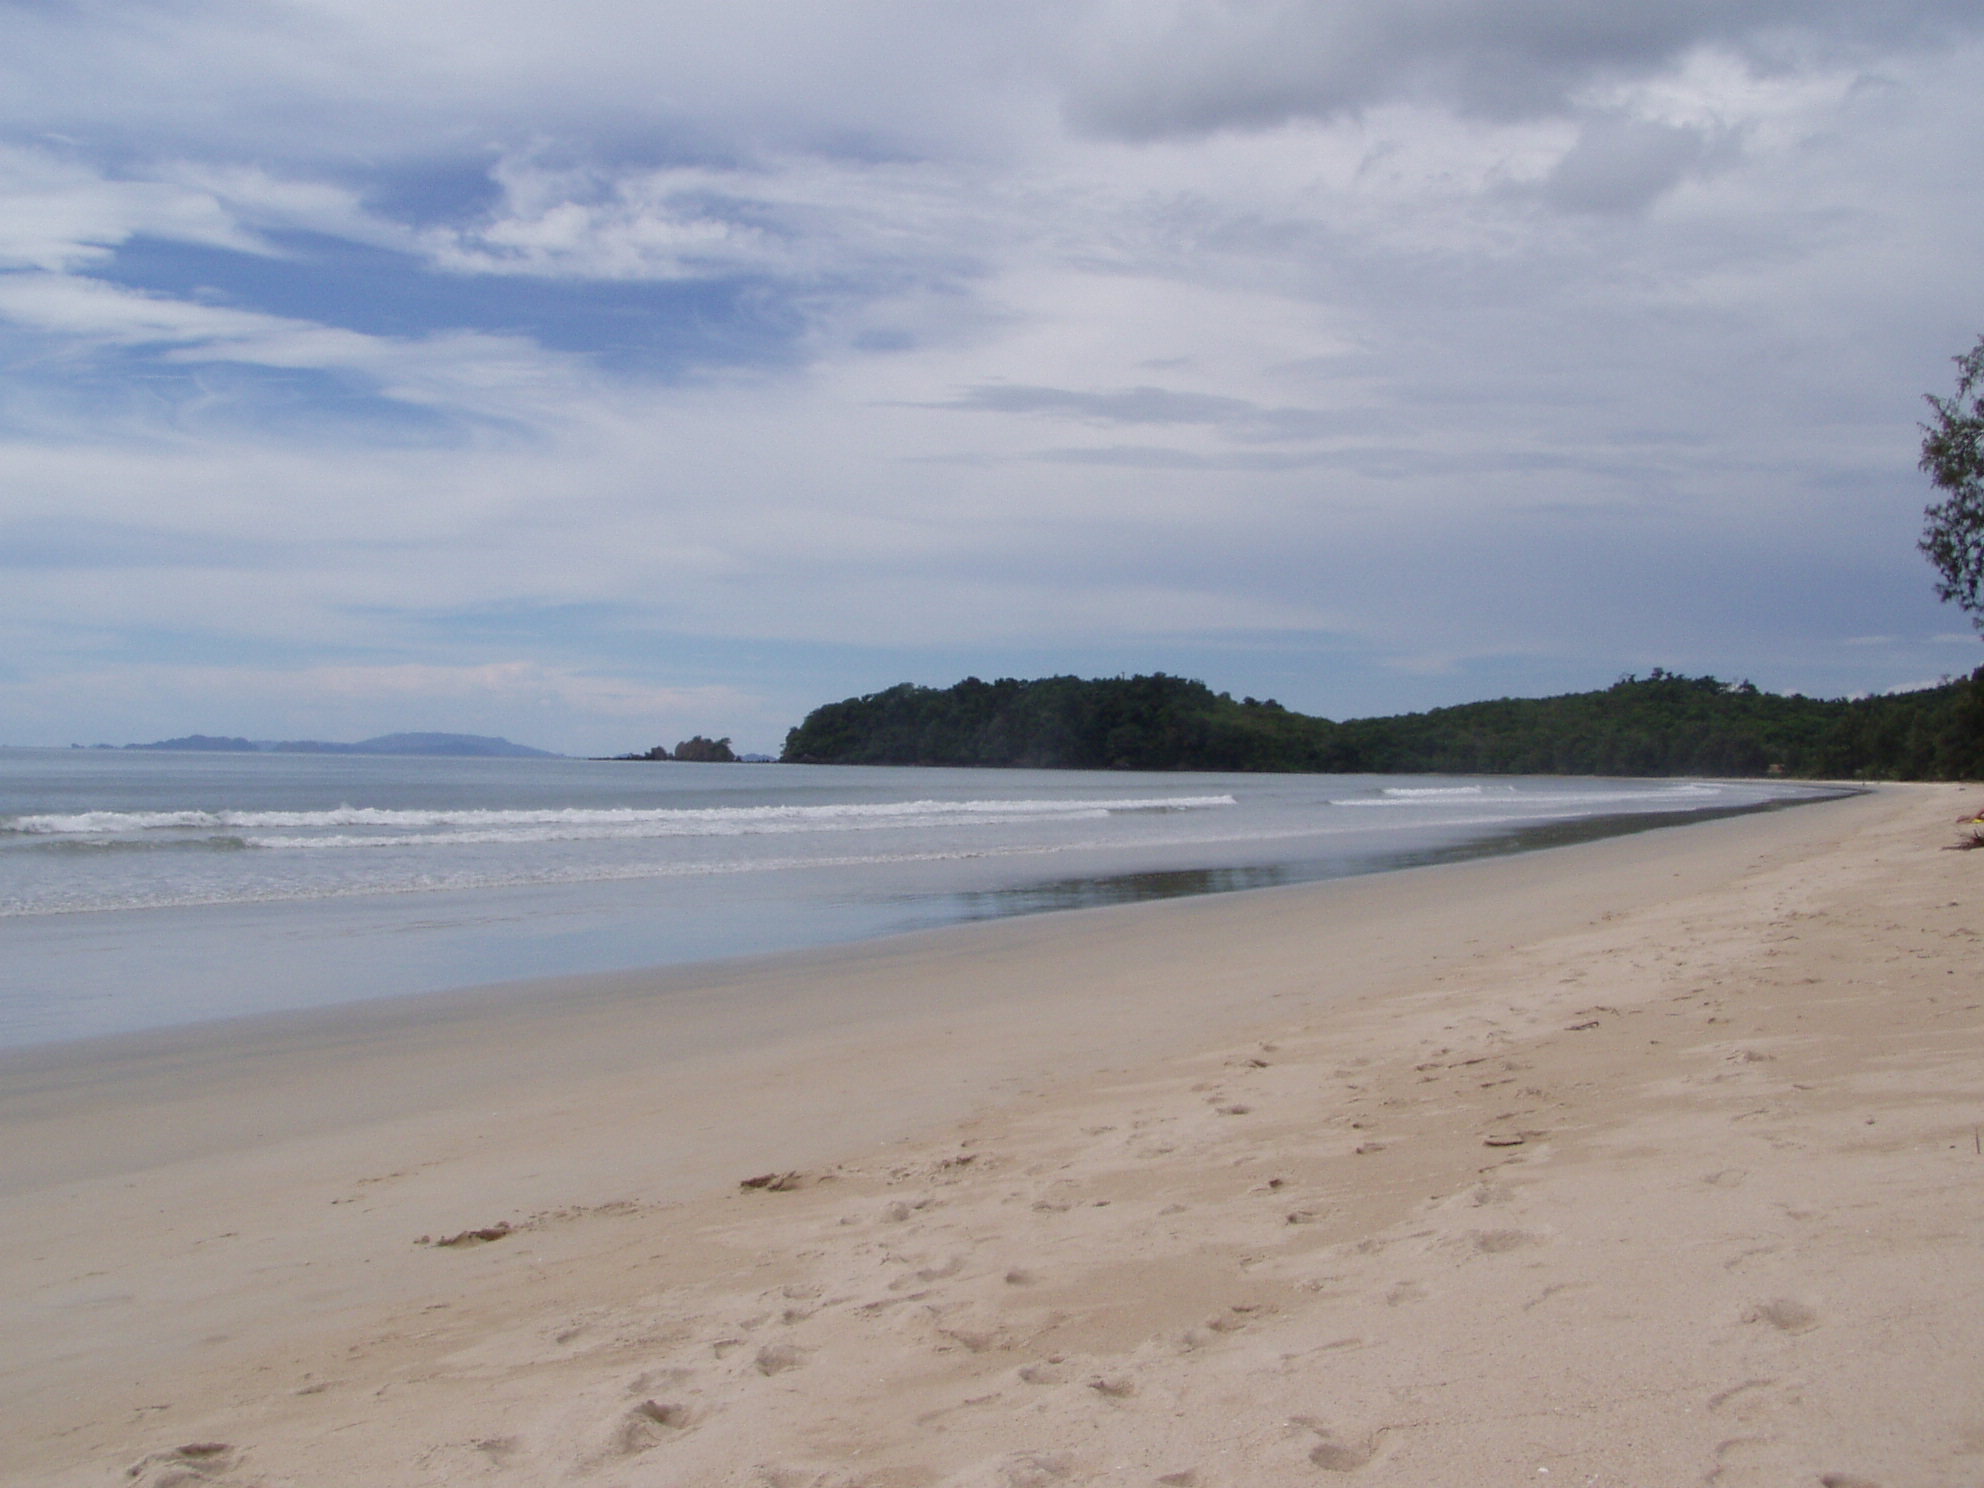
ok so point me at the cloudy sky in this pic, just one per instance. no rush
(599, 372)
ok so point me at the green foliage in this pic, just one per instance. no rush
(1953, 456)
(1667, 724)
(1113, 723)
(694, 750)
(1663, 724)
(699, 750)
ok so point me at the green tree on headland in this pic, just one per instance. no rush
(1154, 722)
(1953, 456)
(1661, 724)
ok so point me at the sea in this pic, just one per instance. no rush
(143, 890)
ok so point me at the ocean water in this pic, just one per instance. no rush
(142, 890)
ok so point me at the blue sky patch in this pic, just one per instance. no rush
(661, 329)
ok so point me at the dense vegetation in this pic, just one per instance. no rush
(1953, 457)
(1663, 724)
(698, 750)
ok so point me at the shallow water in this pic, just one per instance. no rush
(141, 890)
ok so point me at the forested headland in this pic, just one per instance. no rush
(1661, 724)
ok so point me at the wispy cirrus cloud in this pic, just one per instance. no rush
(1237, 417)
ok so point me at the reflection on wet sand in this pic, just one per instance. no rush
(1178, 883)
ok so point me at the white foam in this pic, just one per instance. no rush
(1521, 802)
(529, 873)
(436, 825)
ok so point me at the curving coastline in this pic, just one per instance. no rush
(1567, 1160)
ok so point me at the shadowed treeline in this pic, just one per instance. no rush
(1663, 724)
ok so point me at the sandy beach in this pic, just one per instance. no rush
(1647, 1161)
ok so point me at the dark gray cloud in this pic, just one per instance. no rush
(1620, 165)
(1254, 63)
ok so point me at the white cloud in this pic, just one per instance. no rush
(463, 373)
(1276, 348)
(61, 214)
(526, 683)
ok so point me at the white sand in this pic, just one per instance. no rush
(1192, 1193)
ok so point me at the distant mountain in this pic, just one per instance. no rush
(205, 742)
(455, 744)
(478, 746)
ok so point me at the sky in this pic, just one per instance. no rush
(600, 373)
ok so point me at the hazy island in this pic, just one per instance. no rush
(1661, 724)
(473, 746)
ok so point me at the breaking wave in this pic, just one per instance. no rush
(1510, 796)
(372, 826)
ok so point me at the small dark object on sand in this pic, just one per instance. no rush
(472, 1237)
(775, 1182)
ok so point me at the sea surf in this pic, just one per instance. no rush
(141, 891)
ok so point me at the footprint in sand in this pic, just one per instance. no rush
(1786, 1314)
(183, 1467)
(1498, 1242)
(1741, 1401)
(648, 1424)
(776, 1358)
(1032, 1470)
(1339, 1456)
(647, 1380)
(1555, 1289)
(974, 1326)
(499, 1448)
(782, 1475)
(1334, 1453)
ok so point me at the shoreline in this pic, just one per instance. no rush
(192, 928)
(1509, 841)
(213, 1209)
(476, 1032)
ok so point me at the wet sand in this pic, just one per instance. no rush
(1648, 1160)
